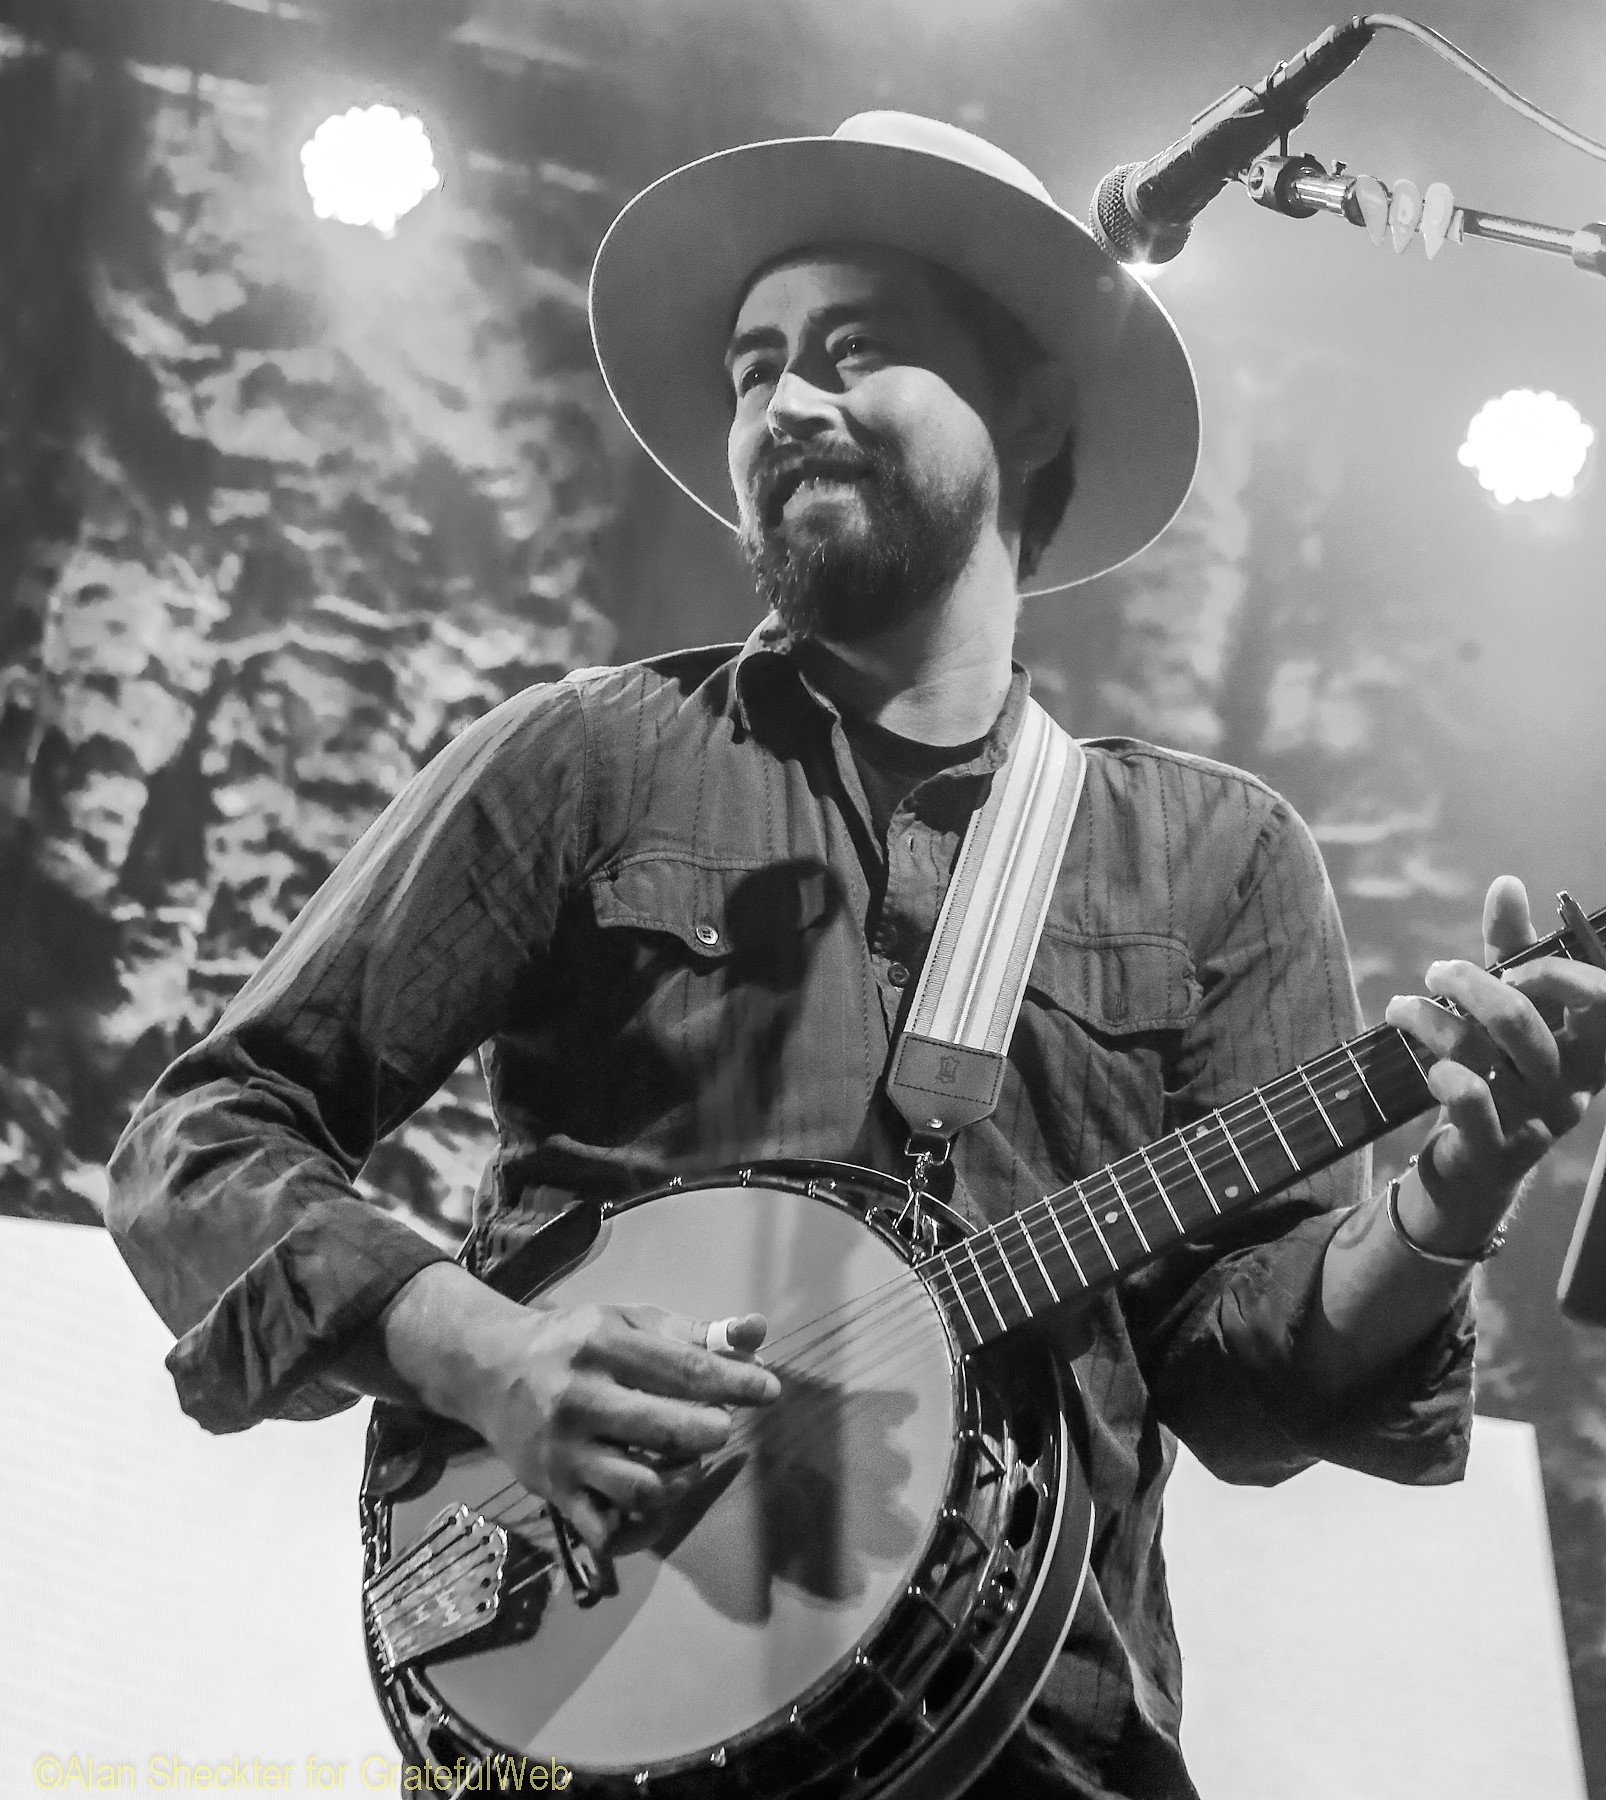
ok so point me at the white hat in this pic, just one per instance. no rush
(672, 269)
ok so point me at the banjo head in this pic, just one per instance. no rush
(811, 1526)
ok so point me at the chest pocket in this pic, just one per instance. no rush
(762, 923)
(669, 896)
(1105, 1017)
(1119, 983)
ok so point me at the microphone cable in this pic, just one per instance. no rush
(1508, 96)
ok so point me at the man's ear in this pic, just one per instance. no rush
(1038, 417)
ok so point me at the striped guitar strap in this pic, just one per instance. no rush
(948, 1065)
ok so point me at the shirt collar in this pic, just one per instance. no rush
(768, 643)
(772, 645)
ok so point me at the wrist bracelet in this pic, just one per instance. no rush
(1496, 1243)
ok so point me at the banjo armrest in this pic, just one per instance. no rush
(550, 1251)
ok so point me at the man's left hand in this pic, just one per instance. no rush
(1513, 1075)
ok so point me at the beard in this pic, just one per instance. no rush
(852, 581)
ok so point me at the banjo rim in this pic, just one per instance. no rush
(871, 1198)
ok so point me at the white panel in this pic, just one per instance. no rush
(164, 1592)
(1345, 1638)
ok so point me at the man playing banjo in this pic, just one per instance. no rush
(683, 906)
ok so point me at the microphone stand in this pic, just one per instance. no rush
(1299, 186)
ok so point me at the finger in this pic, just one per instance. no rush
(1507, 922)
(647, 1359)
(1479, 1155)
(1434, 1028)
(1526, 1120)
(740, 1332)
(1551, 1011)
(740, 1335)
(634, 1486)
(1464, 1042)
(598, 1407)
(679, 1326)
(1506, 1014)
(1470, 1104)
(745, 1332)
(1555, 981)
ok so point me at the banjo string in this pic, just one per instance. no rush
(827, 1416)
(760, 1450)
(906, 1293)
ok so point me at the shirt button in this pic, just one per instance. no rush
(897, 974)
(707, 936)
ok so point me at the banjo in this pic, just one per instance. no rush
(872, 1579)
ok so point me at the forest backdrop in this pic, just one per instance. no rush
(283, 505)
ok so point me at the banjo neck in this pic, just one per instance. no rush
(1178, 1189)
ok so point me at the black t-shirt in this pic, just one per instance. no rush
(891, 767)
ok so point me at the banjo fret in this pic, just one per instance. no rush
(1247, 1149)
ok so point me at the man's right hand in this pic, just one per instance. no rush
(602, 1410)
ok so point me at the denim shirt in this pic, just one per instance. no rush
(643, 892)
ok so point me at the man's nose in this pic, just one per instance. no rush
(798, 409)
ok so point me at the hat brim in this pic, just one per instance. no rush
(672, 268)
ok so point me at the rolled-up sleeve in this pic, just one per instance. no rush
(231, 1191)
(1217, 1328)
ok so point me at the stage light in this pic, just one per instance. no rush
(368, 167)
(1527, 446)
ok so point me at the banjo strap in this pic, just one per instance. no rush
(947, 1066)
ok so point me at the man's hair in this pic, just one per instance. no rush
(1012, 355)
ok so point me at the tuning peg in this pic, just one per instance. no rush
(1373, 199)
(1405, 213)
(1438, 209)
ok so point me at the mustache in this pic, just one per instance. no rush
(779, 475)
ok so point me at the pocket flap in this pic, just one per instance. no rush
(669, 894)
(765, 913)
(1124, 981)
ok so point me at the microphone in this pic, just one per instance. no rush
(1144, 211)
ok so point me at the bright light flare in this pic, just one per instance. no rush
(1145, 271)
(1527, 446)
(368, 167)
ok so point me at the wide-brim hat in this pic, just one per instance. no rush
(674, 266)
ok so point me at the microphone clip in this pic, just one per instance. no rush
(1270, 181)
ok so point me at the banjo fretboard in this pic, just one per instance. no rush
(1180, 1187)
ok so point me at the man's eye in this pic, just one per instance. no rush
(751, 376)
(857, 345)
